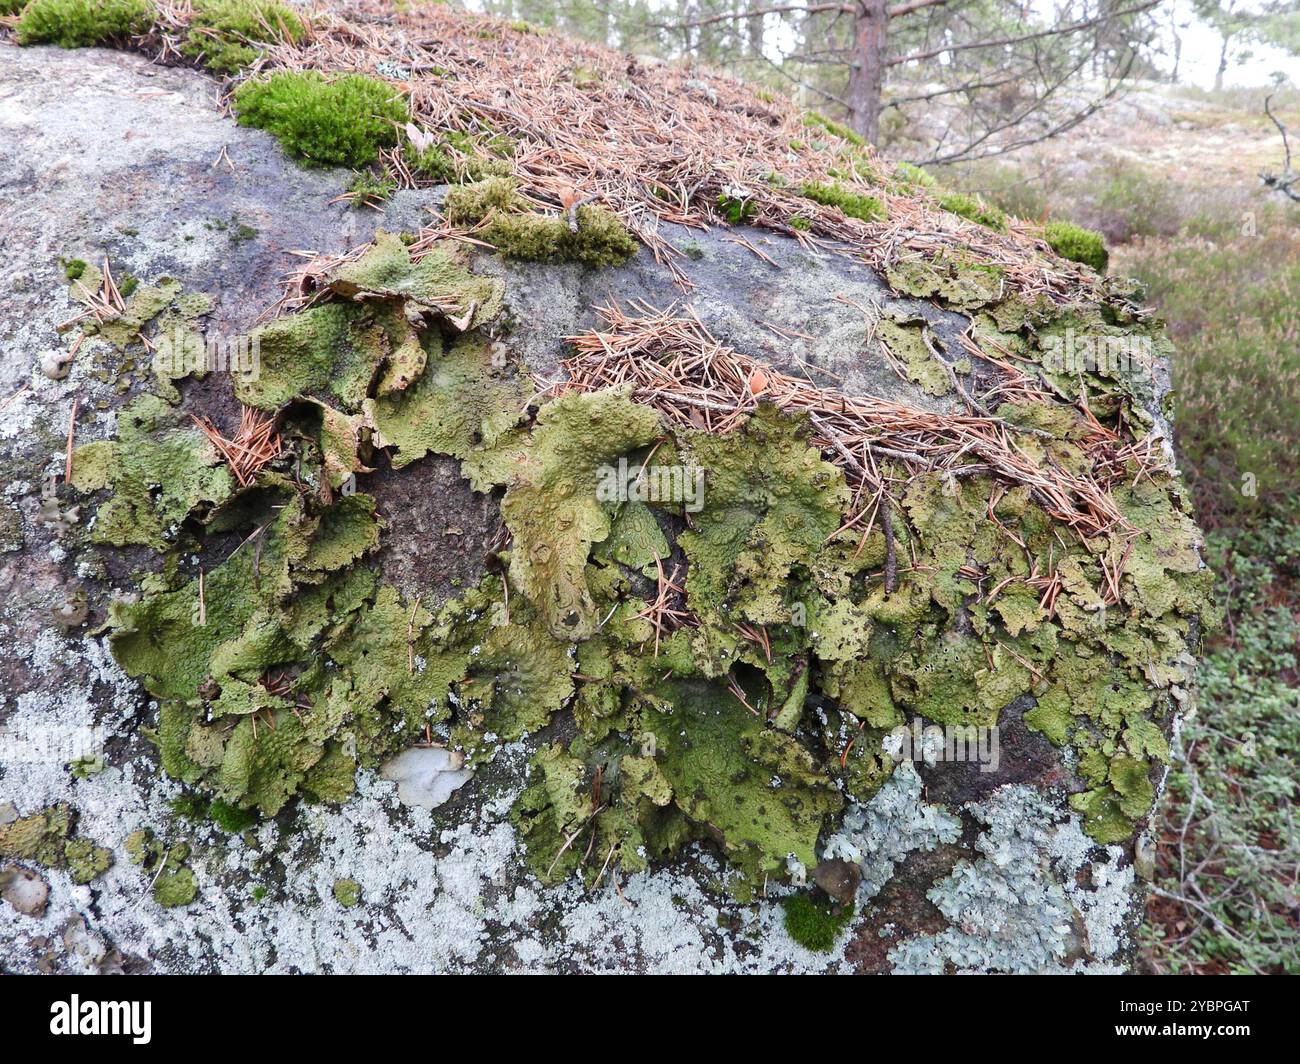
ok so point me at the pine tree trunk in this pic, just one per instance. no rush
(867, 74)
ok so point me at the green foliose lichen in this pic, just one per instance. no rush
(955, 278)
(158, 471)
(347, 892)
(49, 837)
(172, 881)
(692, 630)
(552, 505)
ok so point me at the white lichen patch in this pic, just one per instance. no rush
(1022, 907)
(895, 823)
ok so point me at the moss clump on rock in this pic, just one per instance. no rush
(853, 204)
(598, 239)
(82, 23)
(224, 34)
(1077, 243)
(973, 210)
(455, 157)
(470, 204)
(815, 925)
(341, 121)
(370, 189)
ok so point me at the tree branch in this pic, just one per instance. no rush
(1057, 31)
(760, 12)
(899, 10)
(1285, 181)
(968, 153)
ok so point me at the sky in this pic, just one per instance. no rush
(1201, 56)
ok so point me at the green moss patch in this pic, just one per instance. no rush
(597, 238)
(327, 121)
(858, 205)
(974, 210)
(814, 924)
(452, 157)
(818, 121)
(224, 34)
(370, 189)
(82, 23)
(1078, 244)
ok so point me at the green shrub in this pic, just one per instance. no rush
(973, 210)
(854, 204)
(1234, 316)
(1078, 244)
(814, 924)
(11, 7)
(1228, 831)
(81, 23)
(225, 32)
(328, 122)
(1131, 202)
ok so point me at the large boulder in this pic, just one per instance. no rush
(405, 676)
